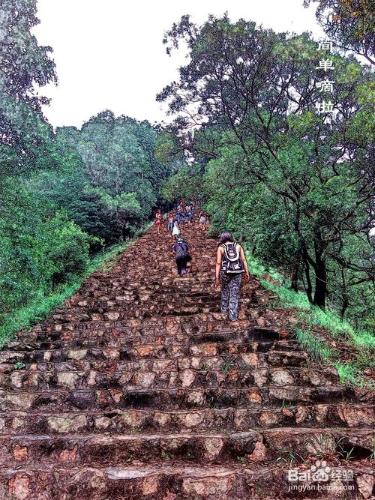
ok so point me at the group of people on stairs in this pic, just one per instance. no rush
(231, 263)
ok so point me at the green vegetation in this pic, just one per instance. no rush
(317, 348)
(64, 195)
(42, 305)
(349, 23)
(295, 184)
(332, 328)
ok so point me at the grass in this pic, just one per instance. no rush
(42, 306)
(360, 342)
(317, 348)
(349, 373)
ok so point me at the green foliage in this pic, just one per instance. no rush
(96, 187)
(360, 342)
(351, 24)
(108, 178)
(186, 183)
(295, 184)
(26, 138)
(316, 347)
(42, 305)
(348, 373)
(24, 63)
(40, 247)
(63, 195)
(24, 134)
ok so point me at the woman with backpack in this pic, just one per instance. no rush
(231, 264)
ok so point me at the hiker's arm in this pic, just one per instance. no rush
(219, 256)
(243, 258)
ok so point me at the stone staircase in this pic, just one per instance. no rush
(139, 388)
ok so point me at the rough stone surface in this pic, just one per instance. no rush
(139, 387)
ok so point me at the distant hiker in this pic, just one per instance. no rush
(179, 217)
(158, 218)
(170, 222)
(175, 230)
(202, 221)
(189, 213)
(230, 265)
(181, 251)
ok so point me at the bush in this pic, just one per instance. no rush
(40, 249)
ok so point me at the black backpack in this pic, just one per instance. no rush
(181, 249)
(231, 263)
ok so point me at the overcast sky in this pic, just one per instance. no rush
(109, 53)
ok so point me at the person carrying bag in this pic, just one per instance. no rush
(231, 264)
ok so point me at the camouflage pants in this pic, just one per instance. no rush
(230, 294)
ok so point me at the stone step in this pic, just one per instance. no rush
(111, 298)
(182, 481)
(206, 419)
(202, 323)
(231, 374)
(252, 362)
(215, 447)
(138, 387)
(198, 323)
(105, 332)
(108, 339)
(181, 398)
(100, 339)
(145, 310)
(163, 294)
(158, 351)
(178, 289)
(135, 330)
(86, 359)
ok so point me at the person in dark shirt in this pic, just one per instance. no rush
(181, 251)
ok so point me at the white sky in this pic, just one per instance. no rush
(109, 53)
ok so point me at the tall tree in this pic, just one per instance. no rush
(350, 23)
(23, 62)
(260, 86)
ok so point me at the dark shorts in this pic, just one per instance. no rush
(182, 262)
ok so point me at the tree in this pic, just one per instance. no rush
(350, 23)
(24, 133)
(106, 176)
(24, 63)
(257, 87)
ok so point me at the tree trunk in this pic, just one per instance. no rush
(320, 282)
(306, 268)
(294, 277)
(308, 287)
(344, 306)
